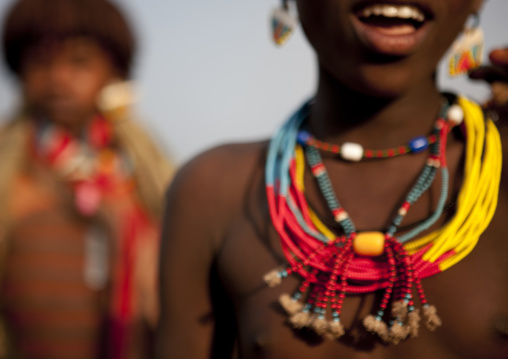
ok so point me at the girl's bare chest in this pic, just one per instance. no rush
(471, 298)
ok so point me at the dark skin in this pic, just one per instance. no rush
(218, 240)
(61, 80)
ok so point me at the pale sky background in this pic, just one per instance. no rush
(208, 72)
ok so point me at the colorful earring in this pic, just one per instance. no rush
(467, 51)
(283, 23)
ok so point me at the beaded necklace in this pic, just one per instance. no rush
(101, 179)
(332, 266)
(355, 152)
(89, 163)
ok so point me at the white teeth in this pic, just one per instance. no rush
(393, 11)
(405, 13)
(390, 11)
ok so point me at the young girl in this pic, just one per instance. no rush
(372, 225)
(81, 186)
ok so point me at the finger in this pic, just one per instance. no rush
(499, 57)
(489, 74)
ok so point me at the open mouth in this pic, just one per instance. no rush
(392, 28)
(392, 19)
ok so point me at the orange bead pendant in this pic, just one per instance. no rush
(370, 244)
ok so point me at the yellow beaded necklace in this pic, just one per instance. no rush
(477, 199)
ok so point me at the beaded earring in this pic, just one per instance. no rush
(467, 50)
(283, 23)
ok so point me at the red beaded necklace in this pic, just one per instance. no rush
(355, 152)
(417, 144)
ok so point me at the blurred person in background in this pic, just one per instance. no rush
(81, 187)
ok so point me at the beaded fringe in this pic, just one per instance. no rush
(301, 316)
(318, 305)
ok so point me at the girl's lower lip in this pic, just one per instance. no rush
(390, 41)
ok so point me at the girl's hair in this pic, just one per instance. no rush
(32, 22)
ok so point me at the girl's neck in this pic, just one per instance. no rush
(341, 114)
(76, 128)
